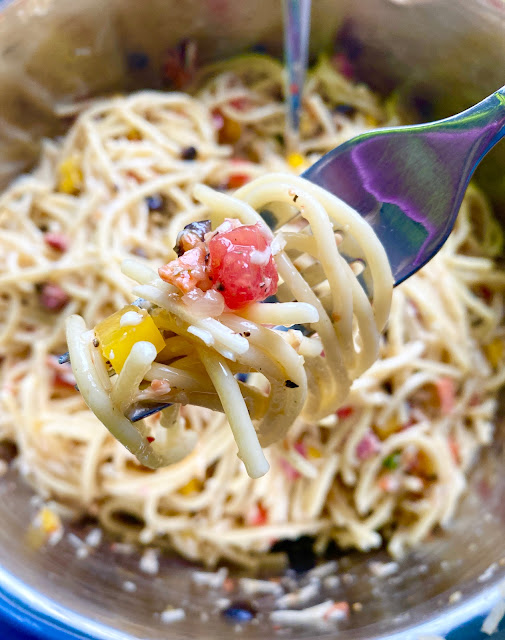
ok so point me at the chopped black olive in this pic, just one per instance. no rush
(239, 611)
(137, 60)
(189, 153)
(199, 229)
(291, 385)
(300, 552)
(155, 202)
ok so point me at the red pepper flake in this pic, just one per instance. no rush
(58, 241)
(293, 88)
(150, 439)
(344, 412)
(52, 297)
(257, 516)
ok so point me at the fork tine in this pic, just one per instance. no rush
(141, 411)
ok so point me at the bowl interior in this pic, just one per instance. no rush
(56, 51)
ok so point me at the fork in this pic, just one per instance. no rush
(407, 182)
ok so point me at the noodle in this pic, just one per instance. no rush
(391, 464)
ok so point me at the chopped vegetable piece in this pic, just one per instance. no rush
(188, 271)
(58, 241)
(239, 612)
(52, 297)
(257, 516)
(392, 461)
(372, 121)
(137, 60)
(368, 446)
(155, 202)
(296, 160)
(191, 236)
(134, 134)
(300, 552)
(494, 352)
(312, 452)
(70, 176)
(344, 412)
(116, 341)
(455, 450)
(446, 394)
(237, 180)
(193, 486)
(291, 385)
(229, 132)
(241, 266)
(189, 153)
(179, 65)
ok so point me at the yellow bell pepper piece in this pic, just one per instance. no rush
(116, 341)
(193, 486)
(296, 160)
(313, 452)
(494, 352)
(70, 176)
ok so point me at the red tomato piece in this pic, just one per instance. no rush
(241, 266)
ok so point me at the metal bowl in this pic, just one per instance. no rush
(445, 53)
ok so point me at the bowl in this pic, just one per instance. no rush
(440, 55)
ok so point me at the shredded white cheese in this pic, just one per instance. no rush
(172, 615)
(130, 319)
(214, 580)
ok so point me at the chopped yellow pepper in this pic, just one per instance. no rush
(371, 121)
(387, 429)
(116, 341)
(134, 134)
(494, 352)
(230, 132)
(313, 452)
(296, 160)
(49, 521)
(192, 486)
(70, 176)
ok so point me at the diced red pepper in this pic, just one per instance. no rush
(258, 515)
(454, 448)
(344, 412)
(368, 446)
(241, 266)
(446, 393)
(58, 241)
(237, 180)
(52, 297)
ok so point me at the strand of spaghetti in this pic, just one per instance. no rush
(285, 313)
(136, 366)
(227, 388)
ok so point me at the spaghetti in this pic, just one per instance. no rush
(389, 465)
(340, 352)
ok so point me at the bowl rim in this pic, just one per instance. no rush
(29, 611)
